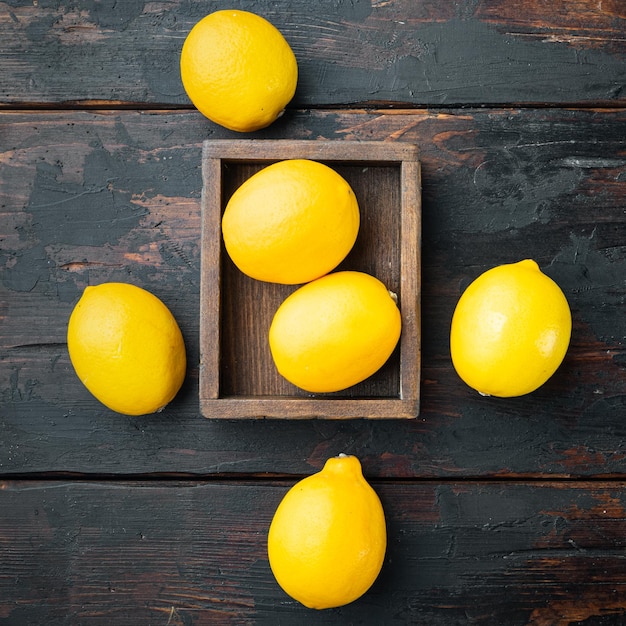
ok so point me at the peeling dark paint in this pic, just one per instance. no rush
(348, 52)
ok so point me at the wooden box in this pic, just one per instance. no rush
(238, 378)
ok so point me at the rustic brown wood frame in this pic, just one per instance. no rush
(216, 155)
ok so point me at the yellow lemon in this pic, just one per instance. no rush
(126, 348)
(291, 222)
(510, 330)
(327, 540)
(238, 70)
(334, 331)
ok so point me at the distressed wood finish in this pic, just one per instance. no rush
(180, 553)
(399, 51)
(500, 512)
(89, 197)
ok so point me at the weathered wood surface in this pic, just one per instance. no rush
(88, 197)
(179, 553)
(399, 51)
(499, 511)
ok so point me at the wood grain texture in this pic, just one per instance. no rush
(500, 512)
(396, 51)
(195, 553)
(87, 197)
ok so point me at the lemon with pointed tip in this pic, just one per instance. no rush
(238, 69)
(510, 330)
(126, 348)
(327, 539)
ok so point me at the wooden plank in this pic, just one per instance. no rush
(411, 279)
(195, 553)
(211, 286)
(87, 197)
(399, 51)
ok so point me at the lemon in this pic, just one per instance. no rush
(126, 348)
(510, 330)
(327, 540)
(291, 222)
(238, 70)
(334, 331)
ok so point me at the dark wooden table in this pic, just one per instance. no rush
(499, 511)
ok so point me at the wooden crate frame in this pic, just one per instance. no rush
(221, 155)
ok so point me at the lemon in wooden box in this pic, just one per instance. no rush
(335, 332)
(291, 222)
(240, 379)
